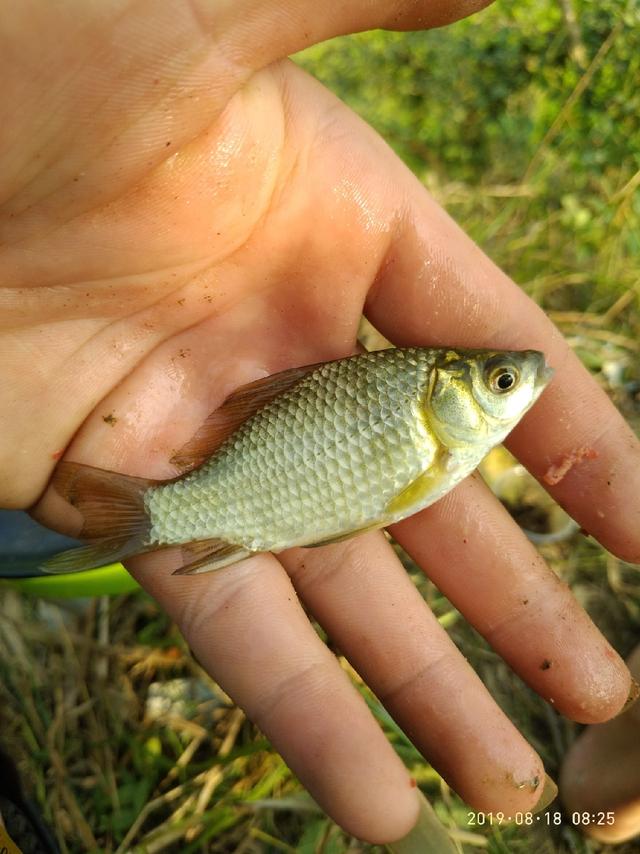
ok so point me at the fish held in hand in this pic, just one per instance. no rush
(310, 456)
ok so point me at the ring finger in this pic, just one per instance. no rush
(249, 631)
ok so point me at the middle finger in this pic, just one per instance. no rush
(361, 594)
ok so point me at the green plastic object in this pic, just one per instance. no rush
(24, 543)
(105, 581)
(429, 836)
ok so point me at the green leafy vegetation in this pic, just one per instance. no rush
(524, 126)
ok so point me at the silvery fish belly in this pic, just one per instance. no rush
(312, 455)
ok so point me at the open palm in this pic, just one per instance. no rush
(183, 211)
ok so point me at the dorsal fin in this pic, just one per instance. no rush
(234, 411)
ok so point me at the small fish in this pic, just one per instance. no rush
(310, 456)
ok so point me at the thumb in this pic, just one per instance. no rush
(261, 31)
(132, 82)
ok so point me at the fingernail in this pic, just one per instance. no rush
(549, 793)
(634, 693)
(428, 834)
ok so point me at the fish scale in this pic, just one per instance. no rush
(329, 453)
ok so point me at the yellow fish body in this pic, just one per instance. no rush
(310, 456)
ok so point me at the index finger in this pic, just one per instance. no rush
(436, 287)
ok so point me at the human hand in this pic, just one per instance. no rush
(182, 212)
(601, 774)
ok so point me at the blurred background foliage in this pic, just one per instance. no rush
(474, 102)
(524, 122)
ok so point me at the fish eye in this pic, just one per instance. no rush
(502, 378)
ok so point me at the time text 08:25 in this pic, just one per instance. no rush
(527, 819)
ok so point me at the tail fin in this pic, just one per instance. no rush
(113, 512)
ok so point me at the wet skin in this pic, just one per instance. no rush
(183, 211)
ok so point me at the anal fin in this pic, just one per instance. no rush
(208, 555)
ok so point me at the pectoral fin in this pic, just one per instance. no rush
(416, 496)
